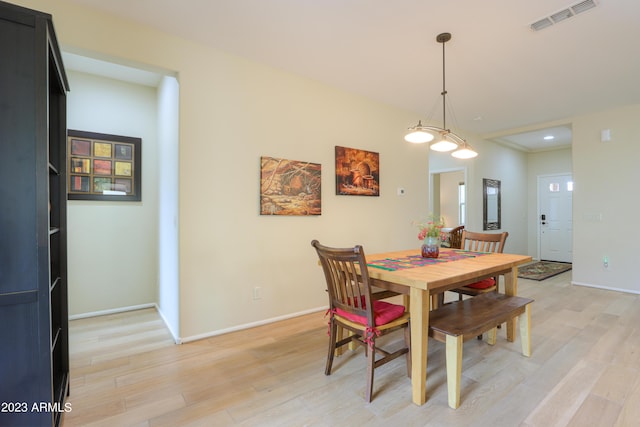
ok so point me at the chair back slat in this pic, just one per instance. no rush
(484, 242)
(343, 277)
(347, 278)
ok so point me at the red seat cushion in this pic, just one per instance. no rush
(483, 284)
(384, 313)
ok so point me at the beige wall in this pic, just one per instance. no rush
(449, 204)
(233, 111)
(605, 204)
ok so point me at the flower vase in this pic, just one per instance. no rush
(431, 247)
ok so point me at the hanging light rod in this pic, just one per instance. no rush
(447, 140)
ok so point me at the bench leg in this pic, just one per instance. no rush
(454, 369)
(491, 336)
(525, 330)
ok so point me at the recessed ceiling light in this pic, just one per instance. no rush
(548, 137)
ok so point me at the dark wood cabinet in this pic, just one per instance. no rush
(34, 346)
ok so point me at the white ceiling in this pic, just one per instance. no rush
(502, 78)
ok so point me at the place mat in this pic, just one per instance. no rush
(411, 261)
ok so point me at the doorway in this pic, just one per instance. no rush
(448, 195)
(555, 213)
(140, 238)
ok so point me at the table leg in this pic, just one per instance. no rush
(437, 300)
(339, 336)
(511, 288)
(419, 303)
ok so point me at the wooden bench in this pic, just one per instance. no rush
(460, 321)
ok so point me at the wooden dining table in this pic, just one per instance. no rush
(420, 282)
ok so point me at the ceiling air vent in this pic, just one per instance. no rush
(563, 15)
(583, 6)
(543, 23)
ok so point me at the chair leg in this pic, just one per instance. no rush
(333, 337)
(454, 369)
(371, 357)
(498, 291)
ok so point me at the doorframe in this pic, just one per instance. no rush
(537, 216)
(447, 170)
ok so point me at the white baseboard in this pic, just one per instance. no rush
(175, 336)
(606, 288)
(179, 340)
(113, 311)
(251, 325)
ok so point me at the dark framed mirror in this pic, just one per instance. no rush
(490, 204)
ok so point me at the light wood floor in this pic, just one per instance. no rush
(584, 371)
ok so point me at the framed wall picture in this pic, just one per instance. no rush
(103, 167)
(289, 187)
(357, 172)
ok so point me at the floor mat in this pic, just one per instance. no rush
(542, 270)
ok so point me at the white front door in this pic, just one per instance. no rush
(555, 195)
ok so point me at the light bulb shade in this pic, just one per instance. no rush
(465, 152)
(417, 136)
(443, 145)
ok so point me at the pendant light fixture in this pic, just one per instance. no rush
(445, 139)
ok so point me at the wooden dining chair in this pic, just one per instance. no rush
(455, 237)
(481, 242)
(352, 307)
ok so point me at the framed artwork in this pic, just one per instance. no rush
(103, 167)
(357, 172)
(289, 187)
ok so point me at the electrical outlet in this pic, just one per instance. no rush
(605, 262)
(257, 292)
